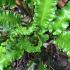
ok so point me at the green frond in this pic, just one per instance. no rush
(30, 47)
(9, 51)
(20, 30)
(7, 2)
(63, 41)
(62, 20)
(9, 19)
(44, 12)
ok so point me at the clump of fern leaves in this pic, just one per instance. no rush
(31, 37)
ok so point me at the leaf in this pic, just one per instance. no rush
(62, 20)
(9, 52)
(63, 41)
(28, 46)
(7, 2)
(44, 13)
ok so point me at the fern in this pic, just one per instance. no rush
(20, 30)
(63, 41)
(29, 47)
(30, 38)
(62, 20)
(7, 2)
(44, 13)
(9, 52)
(14, 26)
(5, 20)
(59, 26)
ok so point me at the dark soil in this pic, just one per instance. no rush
(63, 64)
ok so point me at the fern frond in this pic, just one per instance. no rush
(8, 17)
(62, 20)
(30, 47)
(12, 22)
(9, 20)
(44, 12)
(7, 2)
(20, 30)
(63, 41)
(9, 51)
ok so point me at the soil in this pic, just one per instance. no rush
(60, 64)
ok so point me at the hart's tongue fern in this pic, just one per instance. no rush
(30, 38)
